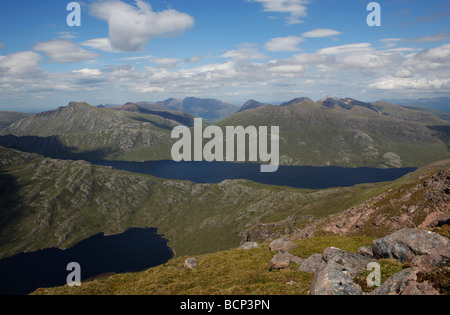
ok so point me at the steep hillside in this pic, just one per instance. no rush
(82, 131)
(345, 132)
(57, 203)
(420, 199)
(7, 118)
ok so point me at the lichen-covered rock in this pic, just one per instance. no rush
(396, 284)
(365, 251)
(280, 261)
(336, 276)
(313, 263)
(191, 263)
(423, 248)
(282, 245)
(249, 245)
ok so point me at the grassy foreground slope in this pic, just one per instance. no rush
(231, 272)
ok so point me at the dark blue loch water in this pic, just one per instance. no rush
(293, 176)
(132, 251)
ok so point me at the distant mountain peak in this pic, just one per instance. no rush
(296, 101)
(344, 103)
(251, 104)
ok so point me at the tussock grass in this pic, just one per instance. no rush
(231, 272)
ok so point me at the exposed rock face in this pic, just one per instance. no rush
(335, 269)
(249, 245)
(424, 203)
(406, 283)
(422, 248)
(191, 263)
(397, 283)
(282, 245)
(313, 264)
(336, 277)
(366, 251)
(271, 231)
(283, 260)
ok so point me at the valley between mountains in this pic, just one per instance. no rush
(51, 197)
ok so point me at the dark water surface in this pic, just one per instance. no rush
(140, 249)
(132, 251)
(307, 177)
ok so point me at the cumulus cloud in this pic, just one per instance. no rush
(284, 44)
(439, 37)
(166, 63)
(100, 44)
(132, 27)
(193, 59)
(245, 51)
(64, 51)
(20, 63)
(320, 33)
(295, 8)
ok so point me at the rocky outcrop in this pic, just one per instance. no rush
(270, 231)
(336, 276)
(249, 245)
(283, 260)
(422, 203)
(280, 261)
(313, 264)
(421, 248)
(282, 245)
(405, 283)
(426, 252)
(191, 263)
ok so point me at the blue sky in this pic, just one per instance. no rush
(233, 50)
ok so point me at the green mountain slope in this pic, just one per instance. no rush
(82, 131)
(7, 118)
(345, 132)
(57, 203)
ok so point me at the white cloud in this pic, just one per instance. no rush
(132, 27)
(193, 59)
(284, 44)
(20, 63)
(295, 8)
(64, 51)
(100, 44)
(245, 51)
(320, 33)
(439, 37)
(166, 63)
(344, 49)
(88, 72)
(411, 84)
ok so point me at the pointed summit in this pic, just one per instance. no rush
(251, 104)
(296, 101)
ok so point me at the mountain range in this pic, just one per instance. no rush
(331, 131)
